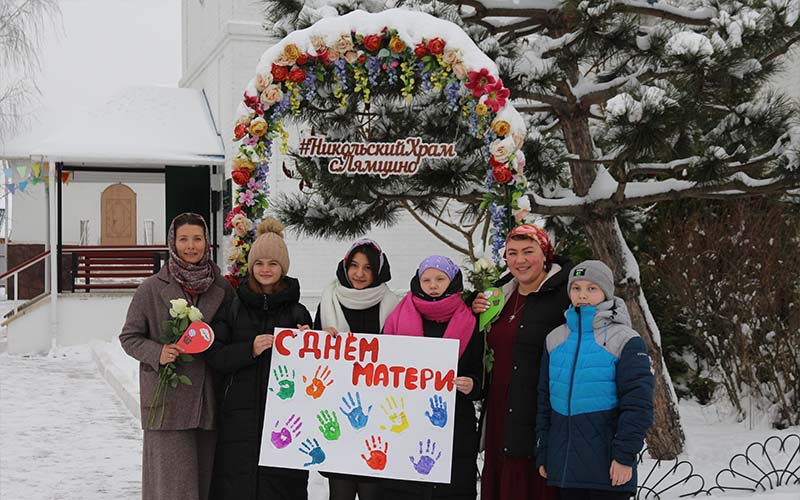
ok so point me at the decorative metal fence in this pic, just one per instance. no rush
(763, 466)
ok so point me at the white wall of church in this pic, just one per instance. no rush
(82, 201)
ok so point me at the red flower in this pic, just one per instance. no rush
(420, 50)
(436, 46)
(302, 59)
(279, 73)
(496, 95)
(297, 75)
(362, 58)
(236, 210)
(478, 80)
(240, 176)
(251, 100)
(495, 164)
(239, 131)
(502, 174)
(372, 42)
(233, 280)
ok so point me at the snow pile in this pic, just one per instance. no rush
(689, 43)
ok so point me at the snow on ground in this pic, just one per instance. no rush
(65, 434)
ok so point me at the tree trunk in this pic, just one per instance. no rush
(665, 439)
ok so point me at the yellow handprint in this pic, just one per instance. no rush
(399, 420)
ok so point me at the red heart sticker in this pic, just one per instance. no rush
(197, 338)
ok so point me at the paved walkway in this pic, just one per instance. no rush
(63, 432)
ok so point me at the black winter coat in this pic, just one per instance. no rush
(543, 311)
(464, 470)
(244, 394)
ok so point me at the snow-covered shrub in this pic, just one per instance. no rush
(728, 274)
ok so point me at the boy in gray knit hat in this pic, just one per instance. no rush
(595, 401)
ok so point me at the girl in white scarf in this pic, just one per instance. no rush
(357, 301)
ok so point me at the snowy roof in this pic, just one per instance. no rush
(138, 125)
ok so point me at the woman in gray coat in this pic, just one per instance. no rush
(178, 451)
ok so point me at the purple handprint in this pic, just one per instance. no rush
(283, 437)
(438, 413)
(426, 461)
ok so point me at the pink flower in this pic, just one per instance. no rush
(251, 141)
(253, 184)
(478, 80)
(496, 95)
(231, 214)
(247, 198)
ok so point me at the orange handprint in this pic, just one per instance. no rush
(319, 383)
(377, 456)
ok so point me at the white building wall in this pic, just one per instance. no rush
(82, 201)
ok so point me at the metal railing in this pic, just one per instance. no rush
(14, 272)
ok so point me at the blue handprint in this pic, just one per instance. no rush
(311, 448)
(425, 463)
(438, 413)
(355, 411)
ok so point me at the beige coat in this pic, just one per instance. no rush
(188, 406)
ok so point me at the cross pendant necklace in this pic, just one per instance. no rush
(516, 309)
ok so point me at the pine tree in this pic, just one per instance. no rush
(629, 103)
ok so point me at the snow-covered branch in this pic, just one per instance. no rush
(698, 17)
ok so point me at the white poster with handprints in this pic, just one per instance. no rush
(371, 405)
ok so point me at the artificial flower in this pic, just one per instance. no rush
(436, 46)
(372, 42)
(297, 75)
(272, 94)
(239, 131)
(240, 176)
(247, 198)
(318, 42)
(501, 149)
(496, 95)
(478, 80)
(233, 253)
(351, 56)
(292, 52)
(421, 50)
(481, 109)
(343, 44)
(258, 127)
(241, 224)
(460, 70)
(501, 127)
(451, 56)
(231, 215)
(501, 174)
(282, 60)
(262, 80)
(279, 73)
(397, 45)
(302, 59)
(240, 162)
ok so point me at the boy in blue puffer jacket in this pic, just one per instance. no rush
(595, 393)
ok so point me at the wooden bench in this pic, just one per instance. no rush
(114, 267)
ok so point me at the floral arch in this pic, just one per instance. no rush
(356, 57)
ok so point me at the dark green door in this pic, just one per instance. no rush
(188, 189)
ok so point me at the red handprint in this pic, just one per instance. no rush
(377, 456)
(319, 383)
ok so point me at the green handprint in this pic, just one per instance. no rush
(329, 425)
(285, 383)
